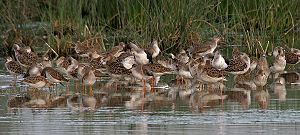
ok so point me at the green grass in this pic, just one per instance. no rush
(175, 23)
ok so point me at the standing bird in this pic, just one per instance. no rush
(263, 65)
(262, 72)
(36, 82)
(14, 68)
(239, 65)
(205, 48)
(116, 69)
(157, 70)
(219, 63)
(278, 64)
(141, 57)
(72, 73)
(260, 79)
(207, 73)
(184, 72)
(53, 75)
(292, 59)
(89, 78)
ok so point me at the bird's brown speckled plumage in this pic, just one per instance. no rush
(63, 64)
(73, 73)
(13, 67)
(115, 50)
(116, 68)
(24, 57)
(82, 49)
(236, 66)
(204, 48)
(97, 64)
(35, 80)
(260, 79)
(239, 65)
(52, 73)
(157, 68)
(292, 58)
(211, 71)
(99, 73)
(235, 52)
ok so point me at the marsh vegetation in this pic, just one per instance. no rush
(174, 23)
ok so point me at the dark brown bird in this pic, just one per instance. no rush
(292, 59)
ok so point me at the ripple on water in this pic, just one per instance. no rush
(172, 117)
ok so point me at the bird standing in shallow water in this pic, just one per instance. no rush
(292, 59)
(53, 75)
(278, 64)
(157, 70)
(89, 78)
(219, 63)
(14, 68)
(263, 65)
(36, 82)
(260, 79)
(143, 57)
(183, 59)
(208, 73)
(116, 69)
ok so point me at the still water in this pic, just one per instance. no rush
(167, 110)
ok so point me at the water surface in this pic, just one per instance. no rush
(126, 111)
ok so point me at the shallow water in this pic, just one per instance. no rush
(125, 111)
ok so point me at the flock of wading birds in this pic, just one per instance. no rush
(199, 64)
